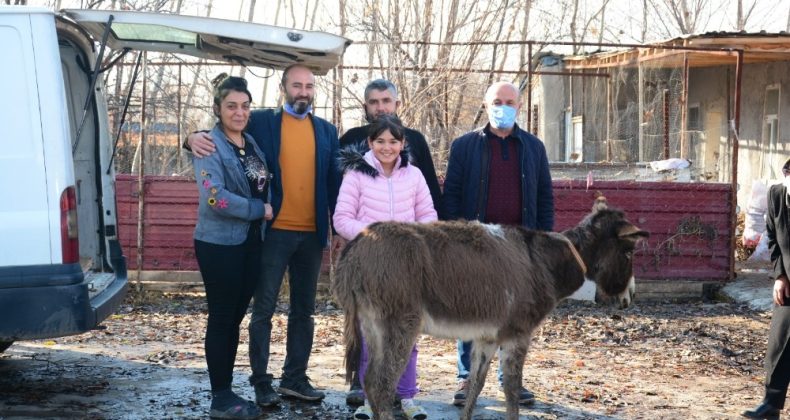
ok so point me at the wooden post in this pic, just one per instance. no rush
(141, 176)
(666, 123)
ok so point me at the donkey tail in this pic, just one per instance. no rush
(353, 340)
(345, 282)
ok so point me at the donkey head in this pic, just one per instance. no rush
(607, 242)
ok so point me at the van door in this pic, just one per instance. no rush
(25, 219)
(249, 44)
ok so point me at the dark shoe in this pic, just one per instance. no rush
(762, 411)
(355, 396)
(265, 395)
(228, 405)
(524, 396)
(301, 389)
(459, 398)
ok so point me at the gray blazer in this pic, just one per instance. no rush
(226, 206)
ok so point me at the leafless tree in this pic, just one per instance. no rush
(743, 17)
(683, 16)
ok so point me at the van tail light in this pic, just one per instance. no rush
(69, 240)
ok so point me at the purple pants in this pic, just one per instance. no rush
(407, 385)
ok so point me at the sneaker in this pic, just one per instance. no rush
(459, 398)
(265, 395)
(244, 411)
(363, 412)
(524, 396)
(227, 405)
(414, 411)
(301, 389)
(355, 395)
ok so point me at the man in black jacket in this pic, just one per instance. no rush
(777, 357)
(381, 97)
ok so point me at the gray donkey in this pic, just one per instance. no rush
(490, 284)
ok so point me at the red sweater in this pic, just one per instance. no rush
(504, 181)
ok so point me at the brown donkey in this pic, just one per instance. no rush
(490, 284)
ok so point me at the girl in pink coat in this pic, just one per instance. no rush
(380, 186)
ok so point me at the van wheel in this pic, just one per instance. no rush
(4, 345)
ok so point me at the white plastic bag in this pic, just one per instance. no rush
(754, 224)
(761, 252)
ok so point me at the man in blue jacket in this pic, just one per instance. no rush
(498, 174)
(301, 152)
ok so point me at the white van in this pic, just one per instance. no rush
(62, 270)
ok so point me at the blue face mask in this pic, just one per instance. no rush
(501, 116)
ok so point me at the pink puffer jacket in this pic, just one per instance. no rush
(366, 196)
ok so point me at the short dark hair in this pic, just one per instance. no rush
(381, 84)
(224, 85)
(786, 167)
(384, 123)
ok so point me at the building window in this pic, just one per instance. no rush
(694, 122)
(768, 152)
(574, 138)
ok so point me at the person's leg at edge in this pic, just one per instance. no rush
(777, 358)
(777, 367)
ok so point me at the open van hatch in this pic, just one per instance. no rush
(249, 44)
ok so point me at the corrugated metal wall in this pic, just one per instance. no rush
(690, 224)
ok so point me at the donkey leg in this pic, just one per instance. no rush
(482, 353)
(390, 348)
(513, 354)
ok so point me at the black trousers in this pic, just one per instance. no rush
(777, 357)
(230, 274)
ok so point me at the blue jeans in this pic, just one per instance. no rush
(300, 253)
(464, 362)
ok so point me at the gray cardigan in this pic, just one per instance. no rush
(226, 206)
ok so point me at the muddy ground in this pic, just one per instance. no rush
(698, 360)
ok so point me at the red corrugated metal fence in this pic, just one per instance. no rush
(689, 223)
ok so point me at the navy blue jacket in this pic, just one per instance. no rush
(265, 127)
(466, 183)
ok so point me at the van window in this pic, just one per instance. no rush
(158, 33)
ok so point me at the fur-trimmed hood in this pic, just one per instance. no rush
(354, 158)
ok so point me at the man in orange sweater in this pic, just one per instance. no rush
(301, 152)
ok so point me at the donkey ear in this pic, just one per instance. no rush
(632, 233)
(599, 204)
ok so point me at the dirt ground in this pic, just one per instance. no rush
(698, 360)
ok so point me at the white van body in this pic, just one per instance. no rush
(62, 270)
